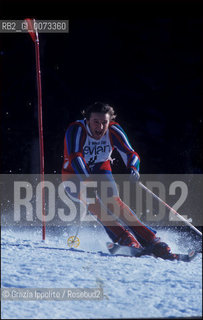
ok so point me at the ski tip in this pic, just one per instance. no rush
(110, 245)
(187, 257)
(192, 254)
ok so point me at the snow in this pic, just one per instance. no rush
(133, 287)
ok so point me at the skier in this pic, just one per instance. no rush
(88, 145)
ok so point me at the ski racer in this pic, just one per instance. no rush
(88, 145)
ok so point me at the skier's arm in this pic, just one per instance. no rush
(74, 139)
(121, 143)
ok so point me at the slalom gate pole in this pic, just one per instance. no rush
(34, 35)
(170, 208)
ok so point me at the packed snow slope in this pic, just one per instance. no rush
(143, 287)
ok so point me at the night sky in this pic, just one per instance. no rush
(144, 59)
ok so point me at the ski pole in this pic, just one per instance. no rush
(34, 35)
(85, 208)
(171, 209)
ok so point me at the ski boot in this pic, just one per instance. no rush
(161, 250)
(127, 239)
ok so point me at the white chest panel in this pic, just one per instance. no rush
(95, 151)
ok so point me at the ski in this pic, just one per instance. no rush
(186, 257)
(118, 250)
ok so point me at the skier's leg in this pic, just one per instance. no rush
(112, 203)
(145, 235)
(115, 230)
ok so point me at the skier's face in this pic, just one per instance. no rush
(98, 124)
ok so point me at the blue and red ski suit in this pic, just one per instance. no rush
(86, 157)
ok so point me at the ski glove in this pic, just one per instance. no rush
(134, 175)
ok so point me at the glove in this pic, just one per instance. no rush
(134, 175)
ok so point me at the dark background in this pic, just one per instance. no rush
(145, 58)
